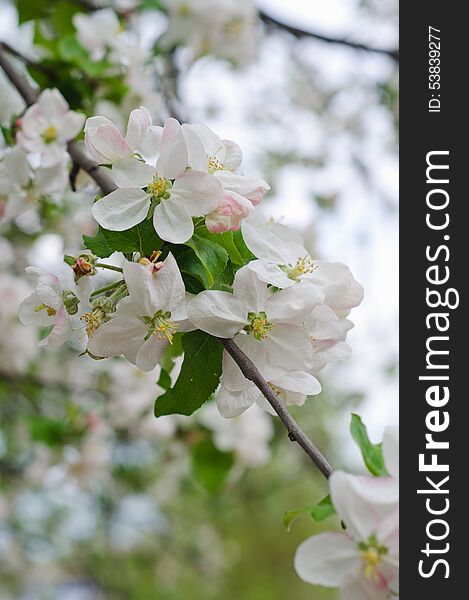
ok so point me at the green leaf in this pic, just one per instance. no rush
(165, 380)
(212, 256)
(199, 376)
(72, 51)
(29, 10)
(98, 244)
(226, 240)
(323, 509)
(142, 238)
(210, 466)
(372, 453)
(318, 512)
(240, 244)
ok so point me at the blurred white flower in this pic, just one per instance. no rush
(47, 126)
(18, 346)
(247, 435)
(97, 31)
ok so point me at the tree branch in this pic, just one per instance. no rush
(30, 94)
(295, 433)
(302, 33)
(249, 370)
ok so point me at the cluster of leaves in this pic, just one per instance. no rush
(66, 64)
(372, 455)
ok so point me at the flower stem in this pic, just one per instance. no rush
(106, 288)
(109, 267)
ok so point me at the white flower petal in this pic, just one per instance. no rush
(172, 222)
(251, 291)
(233, 155)
(120, 335)
(139, 121)
(28, 315)
(327, 559)
(294, 304)
(172, 161)
(104, 141)
(131, 172)
(299, 381)
(60, 332)
(200, 193)
(233, 379)
(151, 352)
(121, 209)
(232, 404)
(219, 313)
(271, 273)
(70, 125)
(289, 347)
(152, 291)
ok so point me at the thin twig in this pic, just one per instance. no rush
(295, 433)
(302, 33)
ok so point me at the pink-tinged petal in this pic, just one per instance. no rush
(232, 404)
(229, 213)
(122, 209)
(233, 155)
(139, 121)
(327, 559)
(289, 347)
(60, 332)
(151, 352)
(251, 187)
(391, 450)
(359, 588)
(151, 290)
(211, 143)
(295, 304)
(218, 313)
(200, 193)
(52, 104)
(120, 335)
(105, 142)
(28, 315)
(172, 222)
(131, 172)
(253, 292)
(233, 379)
(172, 161)
(70, 125)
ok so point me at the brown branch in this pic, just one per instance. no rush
(303, 33)
(295, 433)
(249, 370)
(30, 94)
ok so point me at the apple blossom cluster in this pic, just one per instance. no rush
(181, 188)
(363, 561)
(226, 29)
(36, 167)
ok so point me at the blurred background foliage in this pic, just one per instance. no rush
(98, 499)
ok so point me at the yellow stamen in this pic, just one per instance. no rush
(49, 135)
(93, 320)
(371, 559)
(165, 328)
(51, 312)
(302, 267)
(259, 325)
(215, 165)
(158, 187)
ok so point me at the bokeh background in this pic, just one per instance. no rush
(98, 500)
